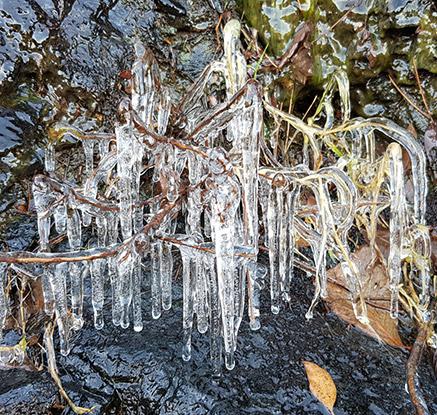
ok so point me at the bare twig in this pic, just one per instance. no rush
(419, 84)
(53, 370)
(416, 396)
(408, 99)
(22, 257)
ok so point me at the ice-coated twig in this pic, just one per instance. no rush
(3, 298)
(397, 223)
(201, 157)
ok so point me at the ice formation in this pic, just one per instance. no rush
(207, 177)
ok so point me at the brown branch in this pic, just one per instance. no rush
(409, 99)
(200, 151)
(53, 370)
(65, 189)
(22, 257)
(422, 92)
(142, 128)
(298, 40)
(58, 133)
(222, 108)
(412, 365)
(176, 241)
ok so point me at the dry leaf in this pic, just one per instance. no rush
(321, 385)
(382, 326)
(375, 285)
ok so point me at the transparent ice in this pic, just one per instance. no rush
(217, 176)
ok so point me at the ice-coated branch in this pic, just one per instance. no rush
(136, 242)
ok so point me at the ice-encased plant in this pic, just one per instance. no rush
(207, 176)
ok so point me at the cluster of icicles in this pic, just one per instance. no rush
(207, 169)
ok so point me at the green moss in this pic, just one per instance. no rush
(365, 40)
(425, 51)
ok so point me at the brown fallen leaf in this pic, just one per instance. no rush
(382, 326)
(375, 286)
(321, 385)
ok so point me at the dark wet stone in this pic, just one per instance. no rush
(174, 7)
(20, 232)
(120, 371)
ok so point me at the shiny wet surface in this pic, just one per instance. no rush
(120, 371)
(61, 61)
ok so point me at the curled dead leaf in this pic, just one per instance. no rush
(321, 385)
(375, 283)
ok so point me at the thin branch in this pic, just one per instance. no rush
(176, 241)
(409, 99)
(412, 365)
(53, 370)
(22, 257)
(419, 84)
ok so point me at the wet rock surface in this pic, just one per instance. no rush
(120, 371)
(60, 61)
(365, 38)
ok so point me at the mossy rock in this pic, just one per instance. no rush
(362, 37)
(425, 51)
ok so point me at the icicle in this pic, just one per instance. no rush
(319, 255)
(74, 233)
(214, 314)
(350, 272)
(145, 83)
(137, 279)
(124, 286)
(112, 224)
(264, 192)
(156, 290)
(283, 242)
(190, 257)
(49, 306)
(88, 147)
(188, 291)
(74, 230)
(164, 107)
(194, 199)
(224, 201)
(103, 146)
(250, 125)
(49, 159)
(397, 217)
(201, 305)
(421, 260)
(272, 219)
(43, 198)
(370, 146)
(236, 68)
(414, 150)
(242, 270)
(60, 215)
(291, 197)
(107, 163)
(138, 221)
(98, 268)
(166, 276)
(257, 281)
(125, 149)
(3, 299)
(326, 228)
(58, 283)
